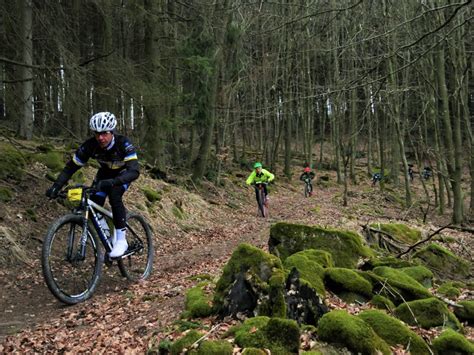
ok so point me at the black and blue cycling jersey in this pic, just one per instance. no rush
(117, 161)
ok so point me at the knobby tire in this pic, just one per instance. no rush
(71, 280)
(137, 266)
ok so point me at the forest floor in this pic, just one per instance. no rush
(123, 316)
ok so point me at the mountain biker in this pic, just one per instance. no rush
(376, 177)
(308, 175)
(118, 168)
(411, 173)
(260, 175)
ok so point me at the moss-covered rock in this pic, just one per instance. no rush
(345, 247)
(391, 261)
(466, 312)
(198, 302)
(394, 332)
(322, 257)
(303, 303)
(260, 274)
(185, 342)
(449, 290)
(214, 347)
(12, 162)
(399, 231)
(284, 333)
(427, 313)
(406, 287)
(6, 194)
(281, 336)
(382, 302)
(450, 342)
(308, 268)
(443, 263)
(348, 284)
(339, 327)
(420, 273)
(250, 333)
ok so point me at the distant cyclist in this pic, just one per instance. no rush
(306, 177)
(410, 172)
(118, 168)
(376, 177)
(426, 173)
(260, 176)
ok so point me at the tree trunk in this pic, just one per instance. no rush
(452, 135)
(26, 72)
(200, 164)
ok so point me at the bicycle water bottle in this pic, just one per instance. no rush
(104, 225)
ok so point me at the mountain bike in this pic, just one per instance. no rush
(261, 199)
(72, 256)
(308, 188)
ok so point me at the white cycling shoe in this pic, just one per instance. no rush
(119, 248)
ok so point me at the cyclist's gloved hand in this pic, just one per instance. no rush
(105, 185)
(53, 191)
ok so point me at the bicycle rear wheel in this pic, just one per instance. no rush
(137, 264)
(71, 277)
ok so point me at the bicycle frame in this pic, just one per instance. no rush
(89, 210)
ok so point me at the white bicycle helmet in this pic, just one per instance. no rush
(102, 122)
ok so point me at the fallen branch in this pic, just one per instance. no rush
(204, 337)
(424, 240)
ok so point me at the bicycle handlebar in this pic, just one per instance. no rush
(63, 193)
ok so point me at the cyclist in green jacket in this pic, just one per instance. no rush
(260, 175)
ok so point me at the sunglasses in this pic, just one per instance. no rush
(98, 134)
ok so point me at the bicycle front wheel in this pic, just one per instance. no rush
(137, 263)
(71, 275)
(261, 204)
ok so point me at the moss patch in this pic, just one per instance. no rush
(394, 332)
(198, 302)
(427, 313)
(342, 281)
(345, 247)
(12, 162)
(185, 342)
(442, 262)
(215, 347)
(382, 302)
(250, 333)
(400, 232)
(466, 313)
(449, 290)
(450, 342)
(53, 160)
(281, 336)
(253, 351)
(339, 327)
(407, 287)
(151, 194)
(6, 194)
(420, 273)
(391, 261)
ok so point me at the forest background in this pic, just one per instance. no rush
(199, 85)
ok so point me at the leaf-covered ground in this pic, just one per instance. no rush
(195, 233)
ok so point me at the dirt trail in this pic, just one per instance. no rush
(118, 309)
(123, 316)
